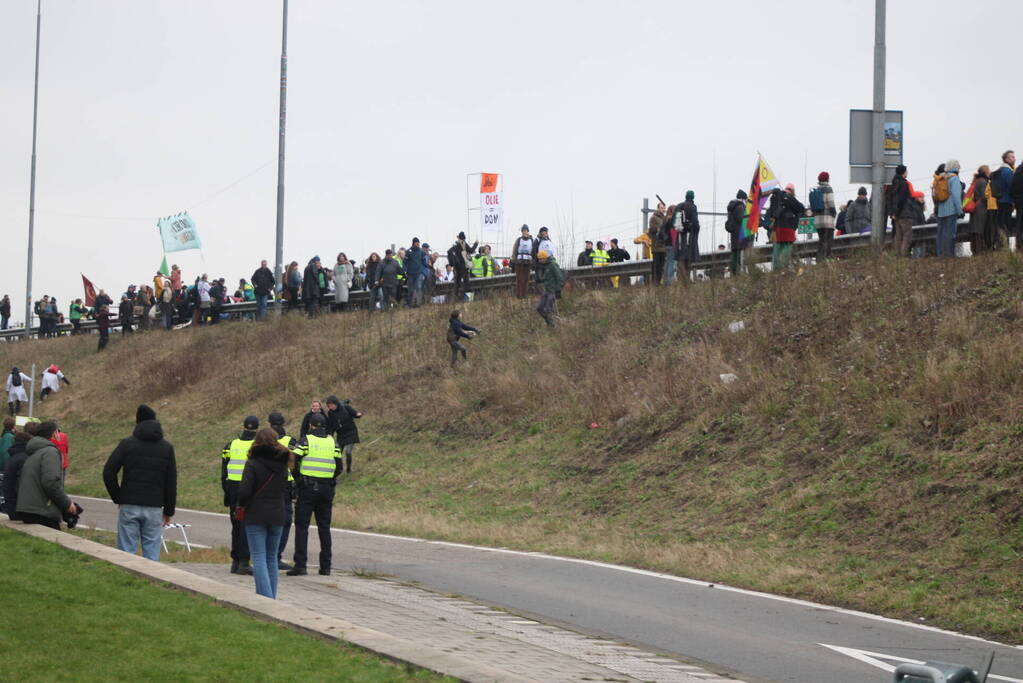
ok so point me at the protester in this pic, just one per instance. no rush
(387, 273)
(52, 377)
(459, 256)
(1016, 192)
(522, 253)
(233, 459)
(75, 313)
(261, 496)
(1001, 188)
(146, 494)
(553, 282)
(16, 390)
(293, 285)
(277, 422)
(41, 498)
(899, 208)
(319, 466)
(166, 305)
(948, 189)
(733, 225)
(544, 242)
(6, 441)
(585, 257)
(822, 204)
(348, 431)
(458, 330)
(314, 408)
(217, 295)
(5, 311)
(175, 278)
(103, 316)
(976, 200)
(669, 233)
(143, 305)
(16, 457)
(263, 282)
(344, 273)
(656, 235)
(102, 299)
(787, 210)
(689, 238)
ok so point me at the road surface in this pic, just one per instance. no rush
(754, 635)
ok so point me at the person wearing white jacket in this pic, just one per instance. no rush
(52, 377)
(16, 390)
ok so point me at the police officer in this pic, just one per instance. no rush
(276, 421)
(233, 459)
(319, 464)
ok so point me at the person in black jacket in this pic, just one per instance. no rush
(261, 496)
(733, 225)
(348, 432)
(317, 467)
(901, 211)
(263, 281)
(148, 487)
(311, 287)
(689, 238)
(16, 457)
(277, 421)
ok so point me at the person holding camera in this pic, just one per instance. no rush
(459, 330)
(41, 496)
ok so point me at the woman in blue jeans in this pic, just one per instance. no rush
(261, 495)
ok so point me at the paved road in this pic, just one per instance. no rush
(756, 636)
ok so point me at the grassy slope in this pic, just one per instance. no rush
(73, 618)
(869, 454)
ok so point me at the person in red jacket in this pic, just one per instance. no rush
(786, 211)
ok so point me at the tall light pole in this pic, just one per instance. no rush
(877, 217)
(32, 185)
(279, 253)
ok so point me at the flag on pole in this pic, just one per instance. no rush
(90, 292)
(163, 267)
(179, 233)
(764, 182)
(491, 206)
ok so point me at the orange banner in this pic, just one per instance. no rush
(488, 182)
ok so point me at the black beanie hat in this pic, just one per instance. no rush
(144, 413)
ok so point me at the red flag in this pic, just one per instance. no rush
(90, 292)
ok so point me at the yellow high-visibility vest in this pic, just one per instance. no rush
(318, 457)
(286, 442)
(236, 455)
(600, 257)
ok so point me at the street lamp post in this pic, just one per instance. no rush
(877, 216)
(32, 185)
(279, 253)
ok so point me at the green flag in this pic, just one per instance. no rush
(163, 266)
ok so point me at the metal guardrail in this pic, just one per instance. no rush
(719, 261)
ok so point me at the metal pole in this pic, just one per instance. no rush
(32, 185)
(877, 217)
(279, 253)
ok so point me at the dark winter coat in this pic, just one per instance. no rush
(899, 202)
(16, 458)
(857, 216)
(150, 475)
(1016, 188)
(789, 209)
(733, 224)
(263, 497)
(305, 429)
(415, 262)
(347, 430)
(618, 255)
(553, 277)
(263, 281)
(387, 272)
(310, 282)
(41, 488)
(690, 215)
(585, 258)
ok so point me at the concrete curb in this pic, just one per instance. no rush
(296, 618)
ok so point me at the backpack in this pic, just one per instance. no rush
(16, 379)
(939, 189)
(816, 199)
(998, 184)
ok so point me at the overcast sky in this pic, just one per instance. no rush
(151, 108)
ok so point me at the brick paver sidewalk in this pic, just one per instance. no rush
(523, 648)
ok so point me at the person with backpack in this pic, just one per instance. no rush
(733, 226)
(16, 390)
(1001, 188)
(460, 256)
(948, 191)
(689, 237)
(822, 204)
(786, 210)
(975, 203)
(459, 330)
(900, 210)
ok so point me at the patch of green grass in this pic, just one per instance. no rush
(74, 618)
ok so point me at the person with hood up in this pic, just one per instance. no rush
(553, 282)
(658, 242)
(733, 225)
(6, 441)
(16, 457)
(233, 459)
(460, 256)
(147, 492)
(311, 287)
(277, 422)
(319, 465)
(41, 496)
(857, 217)
(261, 495)
(16, 390)
(459, 330)
(52, 377)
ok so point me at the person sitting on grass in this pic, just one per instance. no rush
(459, 330)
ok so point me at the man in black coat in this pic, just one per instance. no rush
(147, 492)
(264, 282)
(311, 287)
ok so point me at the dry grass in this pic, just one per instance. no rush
(874, 420)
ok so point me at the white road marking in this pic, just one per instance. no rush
(875, 659)
(648, 573)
